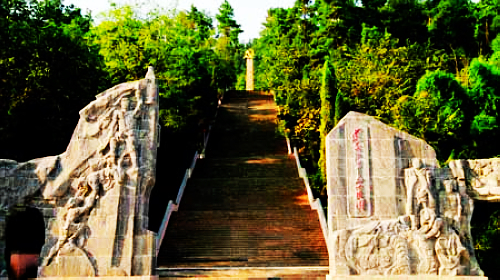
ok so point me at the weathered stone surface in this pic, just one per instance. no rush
(99, 187)
(481, 177)
(365, 165)
(392, 210)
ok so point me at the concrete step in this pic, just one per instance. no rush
(245, 205)
(258, 237)
(244, 193)
(247, 167)
(243, 147)
(303, 272)
(244, 186)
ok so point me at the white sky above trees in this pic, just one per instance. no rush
(250, 14)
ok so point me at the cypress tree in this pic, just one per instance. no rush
(341, 107)
(327, 92)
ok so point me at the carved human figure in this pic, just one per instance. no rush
(425, 236)
(115, 127)
(76, 207)
(452, 205)
(418, 182)
(379, 248)
(111, 174)
(429, 224)
(426, 256)
(103, 173)
(484, 179)
(450, 252)
(92, 110)
(461, 171)
(119, 135)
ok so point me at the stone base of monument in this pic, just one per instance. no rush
(403, 277)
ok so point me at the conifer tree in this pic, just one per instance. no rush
(341, 107)
(228, 46)
(327, 92)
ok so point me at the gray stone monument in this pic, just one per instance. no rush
(96, 193)
(249, 55)
(392, 210)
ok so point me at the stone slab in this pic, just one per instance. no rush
(95, 195)
(362, 148)
(393, 211)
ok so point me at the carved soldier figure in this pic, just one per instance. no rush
(76, 207)
(424, 221)
(449, 251)
(113, 174)
(119, 135)
(418, 182)
(452, 206)
(103, 173)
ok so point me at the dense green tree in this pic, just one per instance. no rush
(406, 20)
(487, 26)
(440, 104)
(180, 46)
(47, 74)
(485, 102)
(227, 25)
(377, 73)
(451, 27)
(328, 94)
(228, 46)
(341, 107)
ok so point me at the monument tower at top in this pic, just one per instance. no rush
(249, 55)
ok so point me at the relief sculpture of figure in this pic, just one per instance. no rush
(417, 181)
(119, 135)
(460, 171)
(484, 178)
(103, 173)
(89, 229)
(450, 252)
(449, 249)
(425, 237)
(76, 207)
(379, 248)
(425, 224)
(452, 206)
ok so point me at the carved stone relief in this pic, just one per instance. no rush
(481, 176)
(420, 221)
(432, 239)
(99, 187)
(378, 248)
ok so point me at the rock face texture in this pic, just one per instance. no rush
(480, 176)
(95, 195)
(392, 210)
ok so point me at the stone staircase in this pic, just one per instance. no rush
(245, 211)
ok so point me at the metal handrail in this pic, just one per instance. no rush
(174, 206)
(315, 203)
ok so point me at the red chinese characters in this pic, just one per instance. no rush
(360, 200)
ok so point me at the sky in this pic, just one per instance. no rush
(250, 14)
